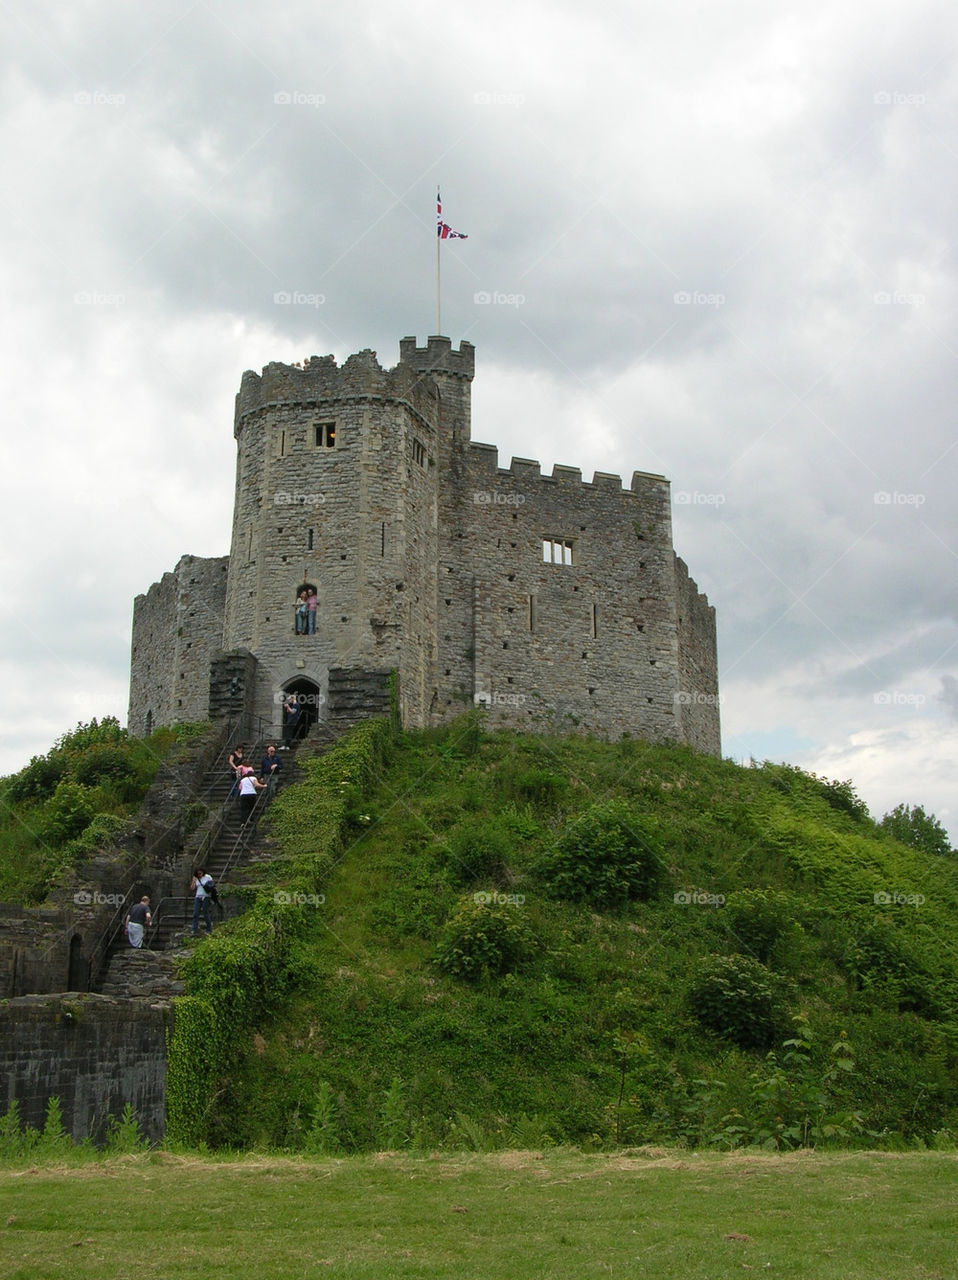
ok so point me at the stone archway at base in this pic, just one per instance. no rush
(309, 699)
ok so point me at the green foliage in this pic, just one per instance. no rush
(123, 1133)
(73, 801)
(538, 787)
(102, 762)
(393, 1131)
(66, 814)
(321, 1139)
(484, 938)
(794, 1101)
(606, 857)
(54, 1140)
(480, 850)
(739, 998)
(38, 779)
(762, 923)
(912, 826)
(588, 1035)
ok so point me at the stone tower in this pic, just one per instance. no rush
(552, 602)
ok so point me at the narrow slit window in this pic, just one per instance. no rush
(309, 539)
(382, 539)
(595, 621)
(558, 551)
(325, 435)
(249, 544)
(533, 612)
(282, 444)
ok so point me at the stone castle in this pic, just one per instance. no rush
(556, 604)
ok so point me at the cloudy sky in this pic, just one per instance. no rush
(711, 241)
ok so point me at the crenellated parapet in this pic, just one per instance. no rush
(437, 356)
(320, 381)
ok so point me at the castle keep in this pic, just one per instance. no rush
(556, 604)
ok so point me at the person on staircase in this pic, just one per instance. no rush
(249, 786)
(201, 900)
(137, 920)
(236, 762)
(269, 769)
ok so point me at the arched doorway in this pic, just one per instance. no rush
(309, 699)
(78, 976)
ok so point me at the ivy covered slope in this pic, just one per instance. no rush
(73, 800)
(477, 940)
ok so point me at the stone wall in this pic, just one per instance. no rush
(92, 1052)
(697, 698)
(177, 626)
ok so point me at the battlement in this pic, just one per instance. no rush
(485, 457)
(437, 356)
(320, 379)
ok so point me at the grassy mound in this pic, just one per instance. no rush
(500, 940)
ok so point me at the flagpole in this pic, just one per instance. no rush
(438, 238)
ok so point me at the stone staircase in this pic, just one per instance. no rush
(149, 972)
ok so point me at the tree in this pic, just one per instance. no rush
(919, 829)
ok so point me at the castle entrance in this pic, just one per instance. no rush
(309, 699)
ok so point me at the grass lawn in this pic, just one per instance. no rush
(645, 1213)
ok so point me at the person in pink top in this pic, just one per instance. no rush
(311, 603)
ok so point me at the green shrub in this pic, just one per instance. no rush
(100, 834)
(479, 849)
(102, 762)
(761, 922)
(740, 999)
(485, 938)
(66, 814)
(605, 857)
(38, 779)
(538, 787)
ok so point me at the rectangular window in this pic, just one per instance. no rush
(419, 452)
(533, 612)
(281, 451)
(557, 551)
(309, 539)
(325, 435)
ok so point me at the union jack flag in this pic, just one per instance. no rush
(443, 230)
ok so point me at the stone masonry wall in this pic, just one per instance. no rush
(177, 626)
(590, 644)
(93, 1052)
(698, 696)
